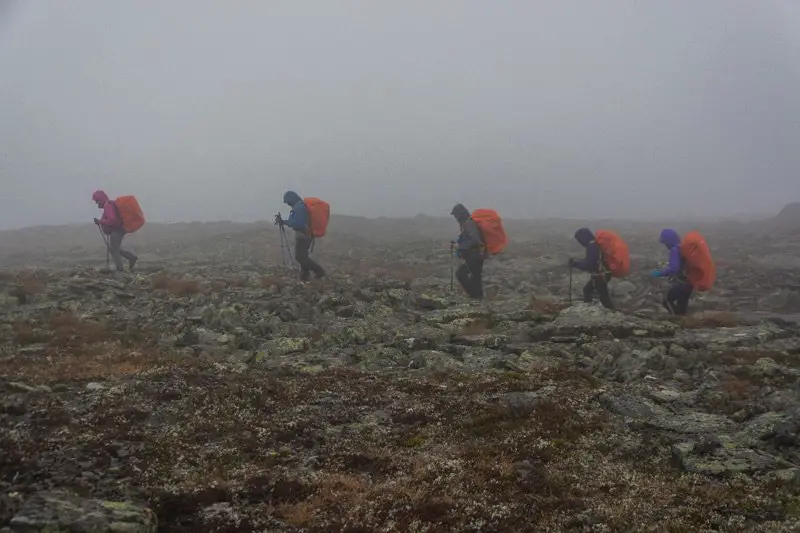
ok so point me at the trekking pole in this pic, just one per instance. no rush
(285, 247)
(108, 251)
(452, 266)
(570, 282)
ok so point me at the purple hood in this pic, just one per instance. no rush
(670, 238)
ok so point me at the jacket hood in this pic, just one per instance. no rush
(100, 196)
(460, 212)
(584, 236)
(670, 238)
(291, 198)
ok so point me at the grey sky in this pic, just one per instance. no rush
(211, 109)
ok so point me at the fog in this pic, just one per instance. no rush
(210, 110)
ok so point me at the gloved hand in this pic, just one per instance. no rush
(458, 253)
(278, 220)
(96, 222)
(572, 262)
(655, 274)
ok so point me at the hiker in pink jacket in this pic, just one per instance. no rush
(111, 224)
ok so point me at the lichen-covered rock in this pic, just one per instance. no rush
(595, 320)
(286, 345)
(722, 456)
(59, 511)
(462, 313)
(433, 360)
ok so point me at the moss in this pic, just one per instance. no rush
(414, 441)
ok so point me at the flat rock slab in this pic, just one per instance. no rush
(692, 423)
(57, 512)
(594, 320)
(724, 458)
(731, 337)
(445, 316)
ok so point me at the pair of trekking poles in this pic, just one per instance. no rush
(108, 247)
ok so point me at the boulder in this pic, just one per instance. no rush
(61, 511)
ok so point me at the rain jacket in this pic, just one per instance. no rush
(672, 240)
(470, 238)
(592, 261)
(298, 218)
(110, 221)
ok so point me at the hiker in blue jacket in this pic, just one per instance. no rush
(298, 220)
(680, 290)
(593, 264)
(469, 248)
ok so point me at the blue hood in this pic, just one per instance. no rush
(291, 198)
(670, 238)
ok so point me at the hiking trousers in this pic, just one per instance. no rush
(302, 249)
(677, 299)
(116, 251)
(598, 283)
(470, 274)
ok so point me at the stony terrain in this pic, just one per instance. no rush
(209, 391)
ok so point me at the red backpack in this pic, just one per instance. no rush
(615, 252)
(700, 268)
(319, 214)
(130, 213)
(491, 226)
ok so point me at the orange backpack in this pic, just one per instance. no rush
(491, 227)
(319, 214)
(700, 268)
(615, 252)
(131, 214)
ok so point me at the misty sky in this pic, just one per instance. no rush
(210, 110)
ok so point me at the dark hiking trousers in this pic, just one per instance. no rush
(470, 274)
(598, 283)
(302, 248)
(677, 299)
(116, 251)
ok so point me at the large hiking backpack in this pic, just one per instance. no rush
(491, 227)
(130, 212)
(319, 214)
(615, 252)
(700, 268)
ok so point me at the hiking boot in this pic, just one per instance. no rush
(132, 263)
(319, 275)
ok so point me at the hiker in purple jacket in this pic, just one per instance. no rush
(111, 224)
(680, 290)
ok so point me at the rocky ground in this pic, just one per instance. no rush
(209, 391)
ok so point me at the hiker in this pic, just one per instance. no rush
(690, 268)
(300, 221)
(469, 247)
(112, 225)
(676, 301)
(599, 274)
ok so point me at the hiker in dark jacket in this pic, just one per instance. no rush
(680, 290)
(299, 221)
(593, 264)
(111, 224)
(469, 248)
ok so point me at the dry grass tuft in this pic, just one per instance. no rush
(72, 331)
(98, 364)
(28, 284)
(546, 306)
(267, 282)
(334, 490)
(720, 319)
(176, 287)
(477, 327)
(24, 334)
